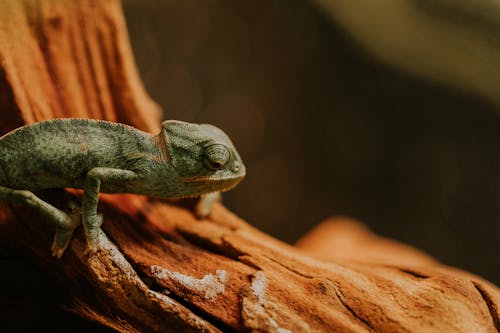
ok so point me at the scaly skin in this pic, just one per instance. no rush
(183, 160)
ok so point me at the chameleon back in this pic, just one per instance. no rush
(59, 153)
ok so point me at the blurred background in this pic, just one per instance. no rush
(385, 111)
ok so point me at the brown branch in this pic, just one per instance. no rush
(163, 270)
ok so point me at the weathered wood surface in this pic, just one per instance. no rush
(163, 270)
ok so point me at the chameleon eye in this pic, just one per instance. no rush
(216, 156)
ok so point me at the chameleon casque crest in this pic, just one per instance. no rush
(183, 160)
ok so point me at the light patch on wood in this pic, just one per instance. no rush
(258, 287)
(161, 297)
(278, 329)
(211, 285)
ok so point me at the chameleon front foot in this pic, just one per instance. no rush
(92, 233)
(91, 250)
(205, 203)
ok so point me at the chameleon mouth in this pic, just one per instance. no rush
(224, 189)
(225, 183)
(229, 187)
(213, 179)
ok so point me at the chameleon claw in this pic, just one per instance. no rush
(61, 242)
(93, 244)
(93, 234)
(90, 250)
(57, 253)
(64, 234)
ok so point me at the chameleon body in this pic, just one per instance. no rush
(183, 160)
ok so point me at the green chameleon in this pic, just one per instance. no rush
(183, 160)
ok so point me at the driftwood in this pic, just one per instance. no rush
(163, 270)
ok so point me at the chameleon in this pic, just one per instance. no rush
(182, 160)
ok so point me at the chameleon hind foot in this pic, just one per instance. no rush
(61, 241)
(63, 222)
(63, 236)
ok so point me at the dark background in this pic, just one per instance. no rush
(326, 129)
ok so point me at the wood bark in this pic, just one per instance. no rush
(162, 270)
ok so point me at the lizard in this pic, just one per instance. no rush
(182, 160)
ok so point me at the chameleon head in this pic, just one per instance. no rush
(203, 156)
